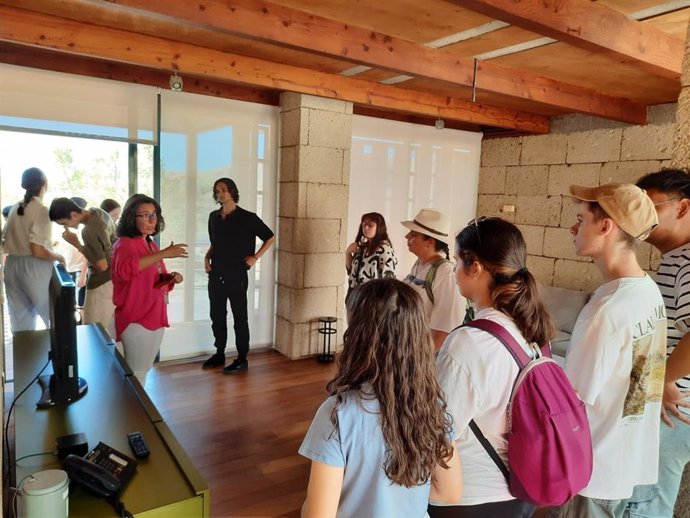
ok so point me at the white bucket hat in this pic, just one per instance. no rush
(431, 223)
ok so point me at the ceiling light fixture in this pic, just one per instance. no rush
(176, 83)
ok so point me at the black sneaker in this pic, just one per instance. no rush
(217, 360)
(236, 366)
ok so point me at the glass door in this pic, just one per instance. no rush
(203, 139)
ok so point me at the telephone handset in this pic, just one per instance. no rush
(92, 477)
(103, 471)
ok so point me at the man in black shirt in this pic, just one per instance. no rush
(233, 232)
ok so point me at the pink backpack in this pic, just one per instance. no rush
(549, 443)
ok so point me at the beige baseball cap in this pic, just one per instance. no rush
(625, 203)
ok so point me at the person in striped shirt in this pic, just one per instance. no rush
(669, 189)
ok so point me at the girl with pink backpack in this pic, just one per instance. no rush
(478, 368)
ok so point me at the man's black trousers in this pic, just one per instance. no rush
(222, 288)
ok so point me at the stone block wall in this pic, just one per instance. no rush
(316, 136)
(533, 173)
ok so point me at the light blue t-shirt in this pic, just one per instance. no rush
(358, 446)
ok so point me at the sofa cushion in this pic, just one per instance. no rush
(564, 305)
(560, 343)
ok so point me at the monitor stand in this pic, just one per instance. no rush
(48, 397)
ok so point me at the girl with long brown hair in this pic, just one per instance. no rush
(380, 445)
(477, 372)
(371, 255)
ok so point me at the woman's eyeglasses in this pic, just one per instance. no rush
(148, 215)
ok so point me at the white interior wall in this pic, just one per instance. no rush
(398, 168)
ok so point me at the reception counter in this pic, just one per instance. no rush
(166, 484)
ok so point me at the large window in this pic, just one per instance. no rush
(203, 139)
(398, 168)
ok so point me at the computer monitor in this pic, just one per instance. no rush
(64, 386)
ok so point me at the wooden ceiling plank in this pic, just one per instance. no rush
(592, 26)
(35, 29)
(265, 21)
(496, 74)
(72, 64)
(271, 22)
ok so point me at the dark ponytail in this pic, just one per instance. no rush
(33, 181)
(499, 246)
(442, 247)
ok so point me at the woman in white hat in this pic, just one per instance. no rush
(432, 274)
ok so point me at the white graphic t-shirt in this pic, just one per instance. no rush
(616, 363)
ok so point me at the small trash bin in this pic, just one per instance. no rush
(326, 329)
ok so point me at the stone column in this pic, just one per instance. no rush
(681, 158)
(316, 136)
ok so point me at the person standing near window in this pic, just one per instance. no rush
(232, 231)
(112, 208)
(98, 236)
(29, 265)
(371, 255)
(141, 282)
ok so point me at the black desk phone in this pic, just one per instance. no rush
(103, 471)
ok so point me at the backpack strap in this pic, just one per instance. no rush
(500, 333)
(431, 275)
(522, 359)
(490, 450)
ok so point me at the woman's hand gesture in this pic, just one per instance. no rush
(352, 249)
(175, 250)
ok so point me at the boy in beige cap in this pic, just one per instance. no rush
(617, 353)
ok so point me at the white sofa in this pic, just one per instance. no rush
(565, 306)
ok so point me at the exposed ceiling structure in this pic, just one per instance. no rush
(503, 67)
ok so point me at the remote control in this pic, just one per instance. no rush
(138, 445)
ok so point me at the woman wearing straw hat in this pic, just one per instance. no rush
(432, 274)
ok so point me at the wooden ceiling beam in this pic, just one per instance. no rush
(72, 64)
(367, 111)
(267, 22)
(592, 26)
(45, 31)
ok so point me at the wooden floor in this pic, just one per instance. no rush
(242, 432)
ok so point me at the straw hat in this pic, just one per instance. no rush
(431, 223)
